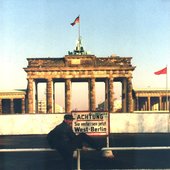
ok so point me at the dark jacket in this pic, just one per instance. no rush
(61, 134)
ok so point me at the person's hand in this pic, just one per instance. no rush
(84, 148)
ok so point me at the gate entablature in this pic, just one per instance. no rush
(81, 67)
(80, 60)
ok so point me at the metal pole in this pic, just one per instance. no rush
(78, 159)
(139, 148)
(107, 144)
(167, 101)
(79, 34)
(79, 30)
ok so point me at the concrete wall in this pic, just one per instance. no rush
(139, 122)
(28, 123)
(119, 123)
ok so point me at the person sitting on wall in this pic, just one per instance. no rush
(65, 141)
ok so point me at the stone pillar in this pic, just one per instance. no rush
(36, 97)
(149, 103)
(0, 106)
(12, 106)
(134, 104)
(23, 105)
(106, 107)
(160, 103)
(146, 105)
(54, 98)
(30, 96)
(111, 95)
(92, 95)
(129, 95)
(137, 103)
(68, 96)
(164, 104)
(124, 95)
(49, 96)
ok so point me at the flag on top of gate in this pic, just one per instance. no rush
(162, 71)
(77, 20)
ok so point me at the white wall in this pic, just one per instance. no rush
(119, 123)
(139, 122)
(28, 123)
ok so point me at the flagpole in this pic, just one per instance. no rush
(79, 34)
(79, 29)
(167, 102)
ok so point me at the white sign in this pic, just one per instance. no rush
(92, 123)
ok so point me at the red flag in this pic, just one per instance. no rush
(77, 20)
(163, 71)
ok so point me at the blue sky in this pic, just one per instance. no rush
(41, 28)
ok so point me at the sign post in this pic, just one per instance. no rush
(91, 123)
(94, 124)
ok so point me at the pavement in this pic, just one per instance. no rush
(90, 160)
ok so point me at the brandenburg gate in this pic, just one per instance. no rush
(79, 67)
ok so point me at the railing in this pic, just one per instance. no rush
(88, 149)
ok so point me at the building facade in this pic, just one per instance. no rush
(15, 102)
(12, 102)
(152, 100)
(79, 68)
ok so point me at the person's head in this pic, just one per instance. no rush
(68, 119)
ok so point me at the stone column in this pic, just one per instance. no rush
(23, 105)
(92, 95)
(106, 107)
(129, 95)
(36, 97)
(12, 106)
(146, 105)
(0, 106)
(137, 103)
(111, 95)
(30, 96)
(160, 103)
(124, 95)
(164, 103)
(49, 96)
(149, 103)
(68, 95)
(54, 98)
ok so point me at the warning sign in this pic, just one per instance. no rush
(92, 123)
